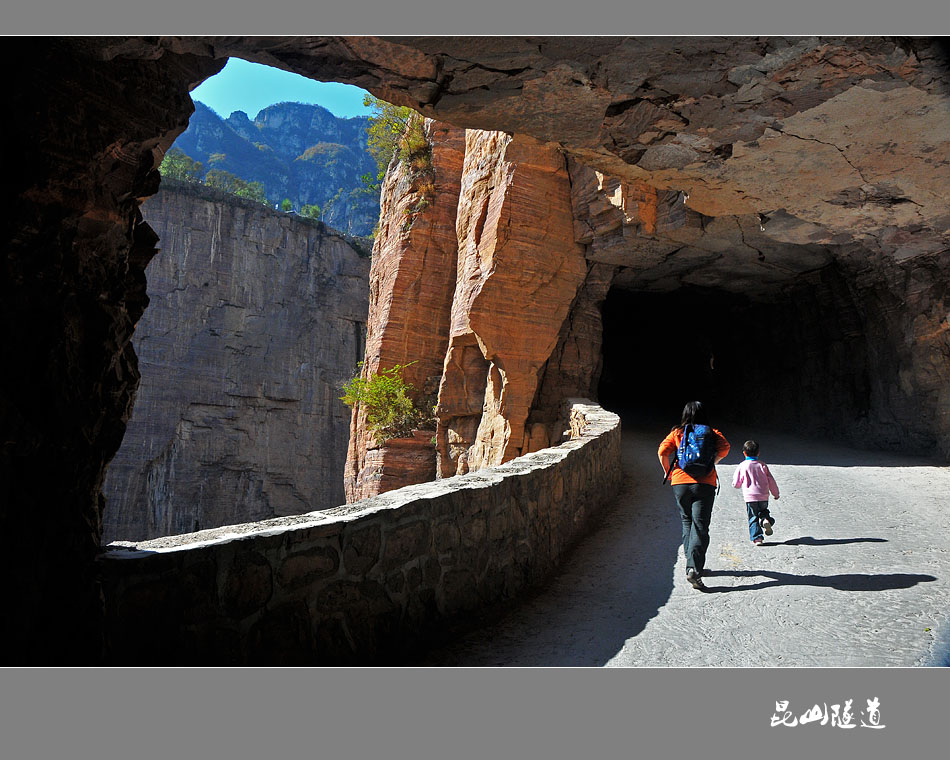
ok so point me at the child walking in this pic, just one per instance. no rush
(756, 482)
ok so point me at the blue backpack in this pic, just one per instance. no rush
(696, 455)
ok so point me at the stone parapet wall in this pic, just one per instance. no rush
(366, 582)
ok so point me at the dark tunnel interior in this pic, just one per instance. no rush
(797, 362)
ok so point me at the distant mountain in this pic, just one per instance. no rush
(297, 151)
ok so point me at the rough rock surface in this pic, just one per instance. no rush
(519, 271)
(411, 283)
(491, 294)
(727, 120)
(73, 286)
(674, 112)
(847, 336)
(256, 318)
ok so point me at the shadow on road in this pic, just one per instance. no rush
(810, 541)
(622, 574)
(844, 582)
(608, 589)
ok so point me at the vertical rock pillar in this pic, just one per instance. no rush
(411, 282)
(515, 277)
(519, 270)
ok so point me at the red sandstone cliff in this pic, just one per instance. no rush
(475, 288)
(411, 282)
(519, 270)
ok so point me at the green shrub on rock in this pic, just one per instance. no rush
(385, 399)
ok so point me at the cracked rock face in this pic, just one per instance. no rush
(411, 283)
(720, 119)
(727, 121)
(518, 273)
(255, 320)
(474, 309)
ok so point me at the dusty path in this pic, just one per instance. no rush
(857, 572)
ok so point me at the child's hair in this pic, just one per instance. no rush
(750, 448)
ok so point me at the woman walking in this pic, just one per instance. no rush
(696, 449)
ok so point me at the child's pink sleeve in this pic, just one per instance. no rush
(773, 486)
(736, 476)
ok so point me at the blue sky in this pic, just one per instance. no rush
(249, 87)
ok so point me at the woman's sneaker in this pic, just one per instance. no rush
(694, 580)
(767, 526)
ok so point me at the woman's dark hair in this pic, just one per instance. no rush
(750, 448)
(693, 414)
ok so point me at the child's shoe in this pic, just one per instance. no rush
(757, 541)
(767, 526)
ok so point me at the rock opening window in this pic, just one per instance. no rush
(257, 311)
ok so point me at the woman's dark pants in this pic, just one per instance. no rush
(696, 502)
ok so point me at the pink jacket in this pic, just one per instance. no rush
(755, 480)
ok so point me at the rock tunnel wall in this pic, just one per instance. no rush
(256, 318)
(795, 147)
(77, 163)
(853, 343)
(363, 584)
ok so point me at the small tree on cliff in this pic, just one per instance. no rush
(253, 191)
(179, 165)
(224, 180)
(385, 399)
(231, 183)
(394, 131)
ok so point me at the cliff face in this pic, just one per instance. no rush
(411, 284)
(254, 322)
(474, 287)
(518, 272)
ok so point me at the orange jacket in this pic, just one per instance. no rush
(672, 442)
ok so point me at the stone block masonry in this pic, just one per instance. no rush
(366, 582)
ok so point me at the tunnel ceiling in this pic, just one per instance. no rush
(660, 244)
(801, 143)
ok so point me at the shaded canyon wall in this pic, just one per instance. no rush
(255, 320)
